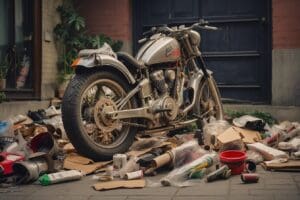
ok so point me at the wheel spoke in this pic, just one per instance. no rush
(102, 96)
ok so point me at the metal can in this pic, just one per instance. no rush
(119, 160)
(250, 178)
(134, 175)
(250, 166)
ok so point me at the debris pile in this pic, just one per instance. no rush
(35, 148)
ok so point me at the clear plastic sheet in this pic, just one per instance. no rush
(254, 156)
(267, 152)
(146, 143)
(186, 153)
(179, 176)
(130, 166)
(213, 129)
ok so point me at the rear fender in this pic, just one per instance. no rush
(103, 61)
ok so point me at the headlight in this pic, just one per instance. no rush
(195, 38)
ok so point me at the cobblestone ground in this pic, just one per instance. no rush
(272, 185)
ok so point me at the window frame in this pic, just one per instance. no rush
(33, 93)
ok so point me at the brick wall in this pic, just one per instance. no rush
(111, 17)
(49, 51)
(286, 24)
(286, 53)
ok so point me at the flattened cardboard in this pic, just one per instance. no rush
(79, 159)
(142, 152)
(248, 136)
(120, 184)
(229, 135)
(83, 164)
(69, 148)
(290, 165)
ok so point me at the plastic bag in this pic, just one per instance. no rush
(254, 156)
(249, 122)
(267, 152)
(212, 130)
(142, 144)
(178, 176)
(293, 144)
(130, 166)
(186, 153)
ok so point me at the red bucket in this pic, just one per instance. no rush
(234, 159)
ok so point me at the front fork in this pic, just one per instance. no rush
(211, 83)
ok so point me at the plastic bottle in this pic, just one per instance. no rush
(6, 128)
(58, 177)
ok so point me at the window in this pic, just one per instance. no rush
(18, 39)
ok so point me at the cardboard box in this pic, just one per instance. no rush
(230, 139)
(248, 136)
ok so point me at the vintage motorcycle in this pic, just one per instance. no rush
(114, 95)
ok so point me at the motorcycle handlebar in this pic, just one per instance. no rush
(151, 31)
(202, 24)
(206, 27)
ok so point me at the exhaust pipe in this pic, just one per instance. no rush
(28, 171)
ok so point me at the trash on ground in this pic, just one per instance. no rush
(282, 165)
(222, 173)
(267, 152)
(58, 177)
(249, 122)
(230, 139)
(139, 183)
(250, 178)
(178, 176)
(83, 164)
(234, 159)
(36, 147)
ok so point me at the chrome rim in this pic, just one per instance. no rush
(208, 106)
(98, 97)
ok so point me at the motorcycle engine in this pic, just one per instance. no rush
(163, 81)
(165, 106)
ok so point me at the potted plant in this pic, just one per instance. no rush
(71, 36)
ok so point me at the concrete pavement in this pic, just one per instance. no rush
(272, 185)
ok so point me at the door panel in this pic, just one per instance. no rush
(183, 10)
(238, 53)
(157, 12)
(245, 71)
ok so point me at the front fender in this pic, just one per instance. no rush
(101, 60)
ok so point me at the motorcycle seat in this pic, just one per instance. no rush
(128, 60)
(105, 49)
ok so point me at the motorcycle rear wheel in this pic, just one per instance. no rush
(89, 131)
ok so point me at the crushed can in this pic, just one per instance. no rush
(250, 178)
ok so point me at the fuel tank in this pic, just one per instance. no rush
(162, 50)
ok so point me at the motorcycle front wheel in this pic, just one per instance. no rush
(208, 103)
(88, 96)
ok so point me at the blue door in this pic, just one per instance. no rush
(239, 53)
